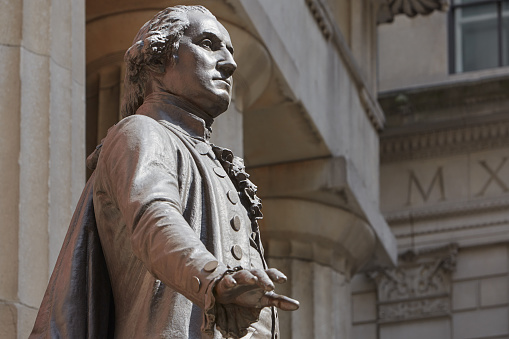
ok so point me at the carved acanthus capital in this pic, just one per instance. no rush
(418, 288)
(389, 8)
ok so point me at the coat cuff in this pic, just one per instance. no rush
(231, 320)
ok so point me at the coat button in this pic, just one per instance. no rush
(237, 252)
(210, 266)
(203, 148)
(236, 223)
(196, 284)
(233, 196)
(220, 172)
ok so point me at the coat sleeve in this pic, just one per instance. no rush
(138, 164)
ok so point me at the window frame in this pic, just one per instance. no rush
(452, 31)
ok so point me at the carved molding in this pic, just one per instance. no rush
(419, 287)
(449, 229)
(442, 210)
(389, 8)
(445, 142)
(331, 32)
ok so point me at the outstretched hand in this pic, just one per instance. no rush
(253, 288)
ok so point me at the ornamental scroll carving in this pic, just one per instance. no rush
(419, 287)
(389, 8)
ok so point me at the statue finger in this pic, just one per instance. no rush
(280, 301)
(264, 281)
(276, 275)
(229, 282)
(245, 277)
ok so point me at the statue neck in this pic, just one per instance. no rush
(166, 106)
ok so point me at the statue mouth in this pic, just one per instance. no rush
(226, 81)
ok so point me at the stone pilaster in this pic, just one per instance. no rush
(42, 104)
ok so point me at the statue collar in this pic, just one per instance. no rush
(179, 112)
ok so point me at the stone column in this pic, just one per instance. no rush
(319, 247)
(319, 229)
(42, 133)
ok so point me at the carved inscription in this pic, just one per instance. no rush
(437, 180)
(494, 177)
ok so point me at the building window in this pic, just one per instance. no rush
(479, 34)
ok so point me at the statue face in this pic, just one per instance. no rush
(203, 71)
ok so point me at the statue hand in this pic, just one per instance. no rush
(253, 288)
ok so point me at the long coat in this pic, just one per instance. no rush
(171, 222)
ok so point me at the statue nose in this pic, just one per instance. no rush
(227, 66)
(228, 69)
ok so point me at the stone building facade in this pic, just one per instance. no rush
(444, 179)
(345, 187)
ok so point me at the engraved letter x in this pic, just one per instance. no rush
(493, 176)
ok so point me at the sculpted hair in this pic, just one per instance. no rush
(155, 45)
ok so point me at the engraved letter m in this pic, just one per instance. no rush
(437, 179)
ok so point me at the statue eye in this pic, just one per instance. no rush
(206, 43)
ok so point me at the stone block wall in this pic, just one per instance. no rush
(477, 308)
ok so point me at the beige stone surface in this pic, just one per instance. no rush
(302, 275)
(60, 161)
(109, 104)
(26, 320)
(9, 180)
(363, 39)
(323, 294)
(362, 283)
(8, 320)
(348, 239)
(10, 22)
(483, 261)
(494, 291)
(326, 91)
(114, 33)
(411, 184)
(484, 323)
(489, 173)
(36, 26)
(439, 328)
(78, 145)
(465, 295)
(364, 307)
(342, 10)
(365, 331)
(78, 45)
(413, 51)
(61, 33)
(34, 174)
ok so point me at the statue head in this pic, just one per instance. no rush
(185, 51)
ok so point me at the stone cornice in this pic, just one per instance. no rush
(447, 210)
(445, 142)
(452, 229)
(331, 32)
(448, 119)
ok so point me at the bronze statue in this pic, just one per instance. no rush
(165, 242)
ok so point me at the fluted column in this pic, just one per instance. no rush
(42, 133)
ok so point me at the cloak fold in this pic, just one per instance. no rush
(78, 302)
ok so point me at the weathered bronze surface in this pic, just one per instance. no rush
(164, 242)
